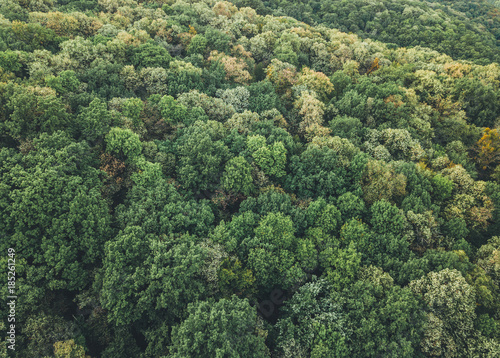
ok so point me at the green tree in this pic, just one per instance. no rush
(271, 252)
(95, 120)
(488, 258)
(197, 45)
(450, 309)
(270, 158)
(226, 328)
(132, 109)
(124, 143)
(316, 173)
(311, 323)
(275, 200)
(168, 269)
(340, 266)
(390, 321)
(381, 182)
(388, 246)
(158, 208)
(202, 155)
(218, 40)
(262, 97)
(183, 77)
(350, 206)
(29, 111)
(53, 211)
(67, 81)
(9, 61)
(442, 186)
(233, 278)
(237, 176)
(215, 108)
(151, 55)
(171, 110)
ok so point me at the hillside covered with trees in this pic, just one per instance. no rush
(207, 179)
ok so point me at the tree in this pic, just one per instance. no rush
(262, 97)
(273, 199)
(388, 323)
(226, 328)
(388, 246)
(340, 266)
(9, 62)
(154, 80)
(312, 110)
(183, 77)
(171, 110)
(488, 149)
(13, 11)
(32, 110)
(350, 206)
(53, 211)
(353, 104)
(450, 302)
(423, 229)
(95, 120)
(312, 323)
(158, 208)
(317, 173)
(345, 150)
(197, 45)
(215, 108)
(62, 24)
(237, 176)
(168, 269)
(398, 142)
(48, 334)
(124, 143)
(323, 215)
(381, 182)
(67, 81)
(243, 122)
(347, 127)
(270, 158)
(30, 36)
(151, 55)
(282, 75)
(233, 277)
(480, 100)
(218, 40)
(236, 68)
(237, 97)
(271, 252)
(489, 258)
(69, 349)
(103, 78)
(317, 82)
(276, 230)
(443, 187)
(201, 155)
(132, 109)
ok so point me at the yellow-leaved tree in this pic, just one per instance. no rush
(488, 149)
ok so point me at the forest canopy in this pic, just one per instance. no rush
(251, 178)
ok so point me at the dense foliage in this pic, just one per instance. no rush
(468, 30)
(206, 179)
